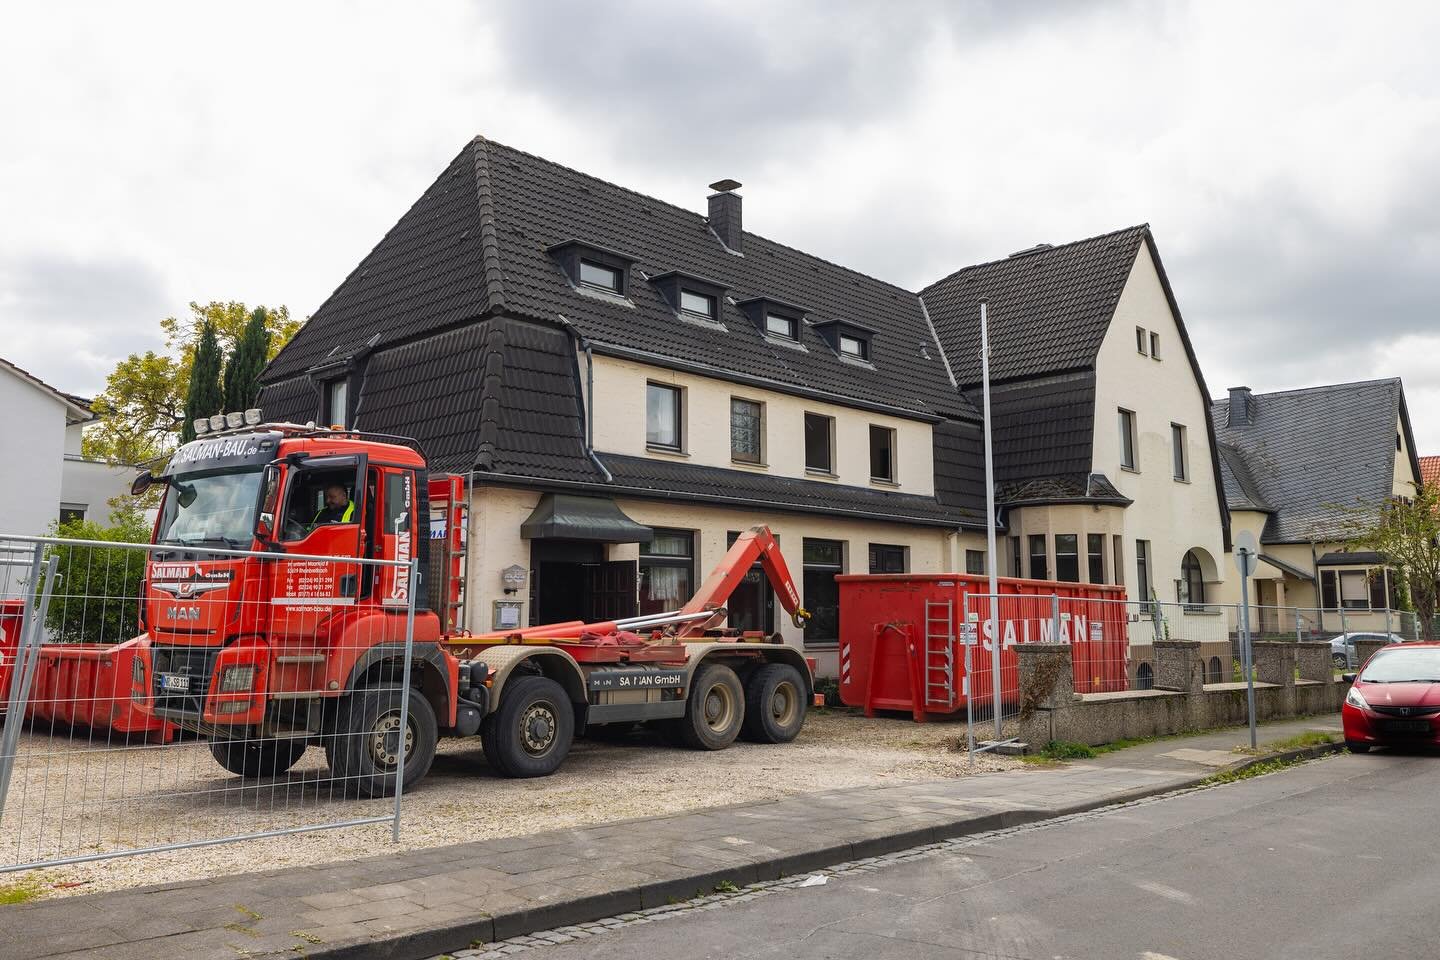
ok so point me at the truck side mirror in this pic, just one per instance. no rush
(265, 518)
(142, 482)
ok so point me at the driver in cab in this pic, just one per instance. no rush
(339, 508)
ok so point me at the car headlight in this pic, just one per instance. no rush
(238, 679)
(1356, 700)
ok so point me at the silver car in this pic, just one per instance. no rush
(1342, 646)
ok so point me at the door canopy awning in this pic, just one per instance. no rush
(561, 516)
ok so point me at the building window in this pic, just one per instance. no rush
(667, 571)
(887, 558)
(1354, 590)
(662, 416)
(819, 434)
(785, 327)
(1067, 557)
(1142, 572)
(71, 514)
(1144, 676)
(975, 562)
(1180, 452)
(1117, 566)
(337, 403)
(1140, 341)
(599, 276)
(697, 304)
(1038, 570)
(1154, 345)
(821, 561)
(1192, 581)
(882, 453)
(854, 347)
(1015, 561)
(747, 430)
(1095, 554)
(1127, 439)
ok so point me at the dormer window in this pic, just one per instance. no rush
(847, 338)
(692, 297)
(601, 277)
(594, 269)
(697, 304)
(778, 326)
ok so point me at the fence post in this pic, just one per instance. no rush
(1387, 620)
(1344, 628)
(969, 633)
(27, 659)
(1299, 636)
(414, 574)
(995, 712)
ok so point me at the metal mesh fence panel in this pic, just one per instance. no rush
(167, 696)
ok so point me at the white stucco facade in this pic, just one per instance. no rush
(32, 452)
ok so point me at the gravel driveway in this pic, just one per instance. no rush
(73, 797)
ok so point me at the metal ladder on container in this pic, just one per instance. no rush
(938, 666)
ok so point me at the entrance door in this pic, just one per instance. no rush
(571, 580)
(610, 589)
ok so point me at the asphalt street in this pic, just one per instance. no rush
(1333, 858)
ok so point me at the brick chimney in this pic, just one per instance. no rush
(725, 213)
(1241, 410)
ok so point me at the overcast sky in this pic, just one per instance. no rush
(1287, 156)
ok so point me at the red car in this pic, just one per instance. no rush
(1395, 700)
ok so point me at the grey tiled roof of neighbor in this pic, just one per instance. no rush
(1241, 491)
(1310, 454)
(1049, 308)
(476, 243)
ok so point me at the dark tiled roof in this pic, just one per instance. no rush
(477, 241)
(1358, 558)
(648, 477)
(959, 452)
(1049, 308)
(1042, 427)
(1312, 454)
(1241, 490)
(1077, 488)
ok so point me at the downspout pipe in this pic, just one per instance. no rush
(589, 394)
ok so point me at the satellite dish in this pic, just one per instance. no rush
(1247, 553)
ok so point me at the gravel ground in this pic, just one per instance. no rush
(119, 795)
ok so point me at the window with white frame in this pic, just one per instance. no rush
(697, 304)
(600, 276)
(787, 328)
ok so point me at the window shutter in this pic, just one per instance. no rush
(1329, 598)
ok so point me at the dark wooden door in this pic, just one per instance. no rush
(610, 589)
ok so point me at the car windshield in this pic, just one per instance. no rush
(216, 509)
(1416, 665)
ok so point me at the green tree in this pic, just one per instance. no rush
(97, 592)
(142, 407)
(203, 398)
(247, 359)
(1406, 532)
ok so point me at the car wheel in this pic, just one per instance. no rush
(1339, 660)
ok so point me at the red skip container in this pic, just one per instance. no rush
(902, 642)
(11, 614)
(88, 685)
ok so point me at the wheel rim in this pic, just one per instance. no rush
(719, 707)
(384, 741)
(784, 703)
(538, 728)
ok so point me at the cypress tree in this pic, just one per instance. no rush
(204, 397)
(247, 359)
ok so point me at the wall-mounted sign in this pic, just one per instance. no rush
(513, 577)
(507, 615)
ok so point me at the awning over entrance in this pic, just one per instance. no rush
(1288, 568)
(561, 516)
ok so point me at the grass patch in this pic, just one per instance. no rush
(1254, 770)
(1057, 750)
(21, 892)
(1310, 738)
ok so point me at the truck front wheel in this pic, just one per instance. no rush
(530, 733)
(774, 704)
(365, 746)
(252, 759)
(715, 709)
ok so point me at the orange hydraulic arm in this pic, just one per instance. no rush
(757, 543)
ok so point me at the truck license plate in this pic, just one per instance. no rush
(176, 682)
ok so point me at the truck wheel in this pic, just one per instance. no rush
(257, 758)
(774, 704)
(530, 734)
(365, 747)
(715, 710)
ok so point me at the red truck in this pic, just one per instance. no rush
(296, 637)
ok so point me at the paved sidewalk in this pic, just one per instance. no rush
(426, 902)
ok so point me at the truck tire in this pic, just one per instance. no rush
(364, 746)
(774, 704)
(715, 710)
(253, 759)
(529, 735)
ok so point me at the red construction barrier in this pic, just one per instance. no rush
(11, 614)
(88, 685)
(901, 642)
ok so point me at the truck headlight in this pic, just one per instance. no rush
(238, 679)
(1355, 700)
(137, 672)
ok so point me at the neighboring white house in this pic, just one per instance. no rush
(43, 475)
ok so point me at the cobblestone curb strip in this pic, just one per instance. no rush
(425, 903)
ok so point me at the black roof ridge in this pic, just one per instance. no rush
(1034, 253)
(686, 210)
(1320, 388)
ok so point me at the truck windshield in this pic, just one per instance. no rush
(216, 509)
